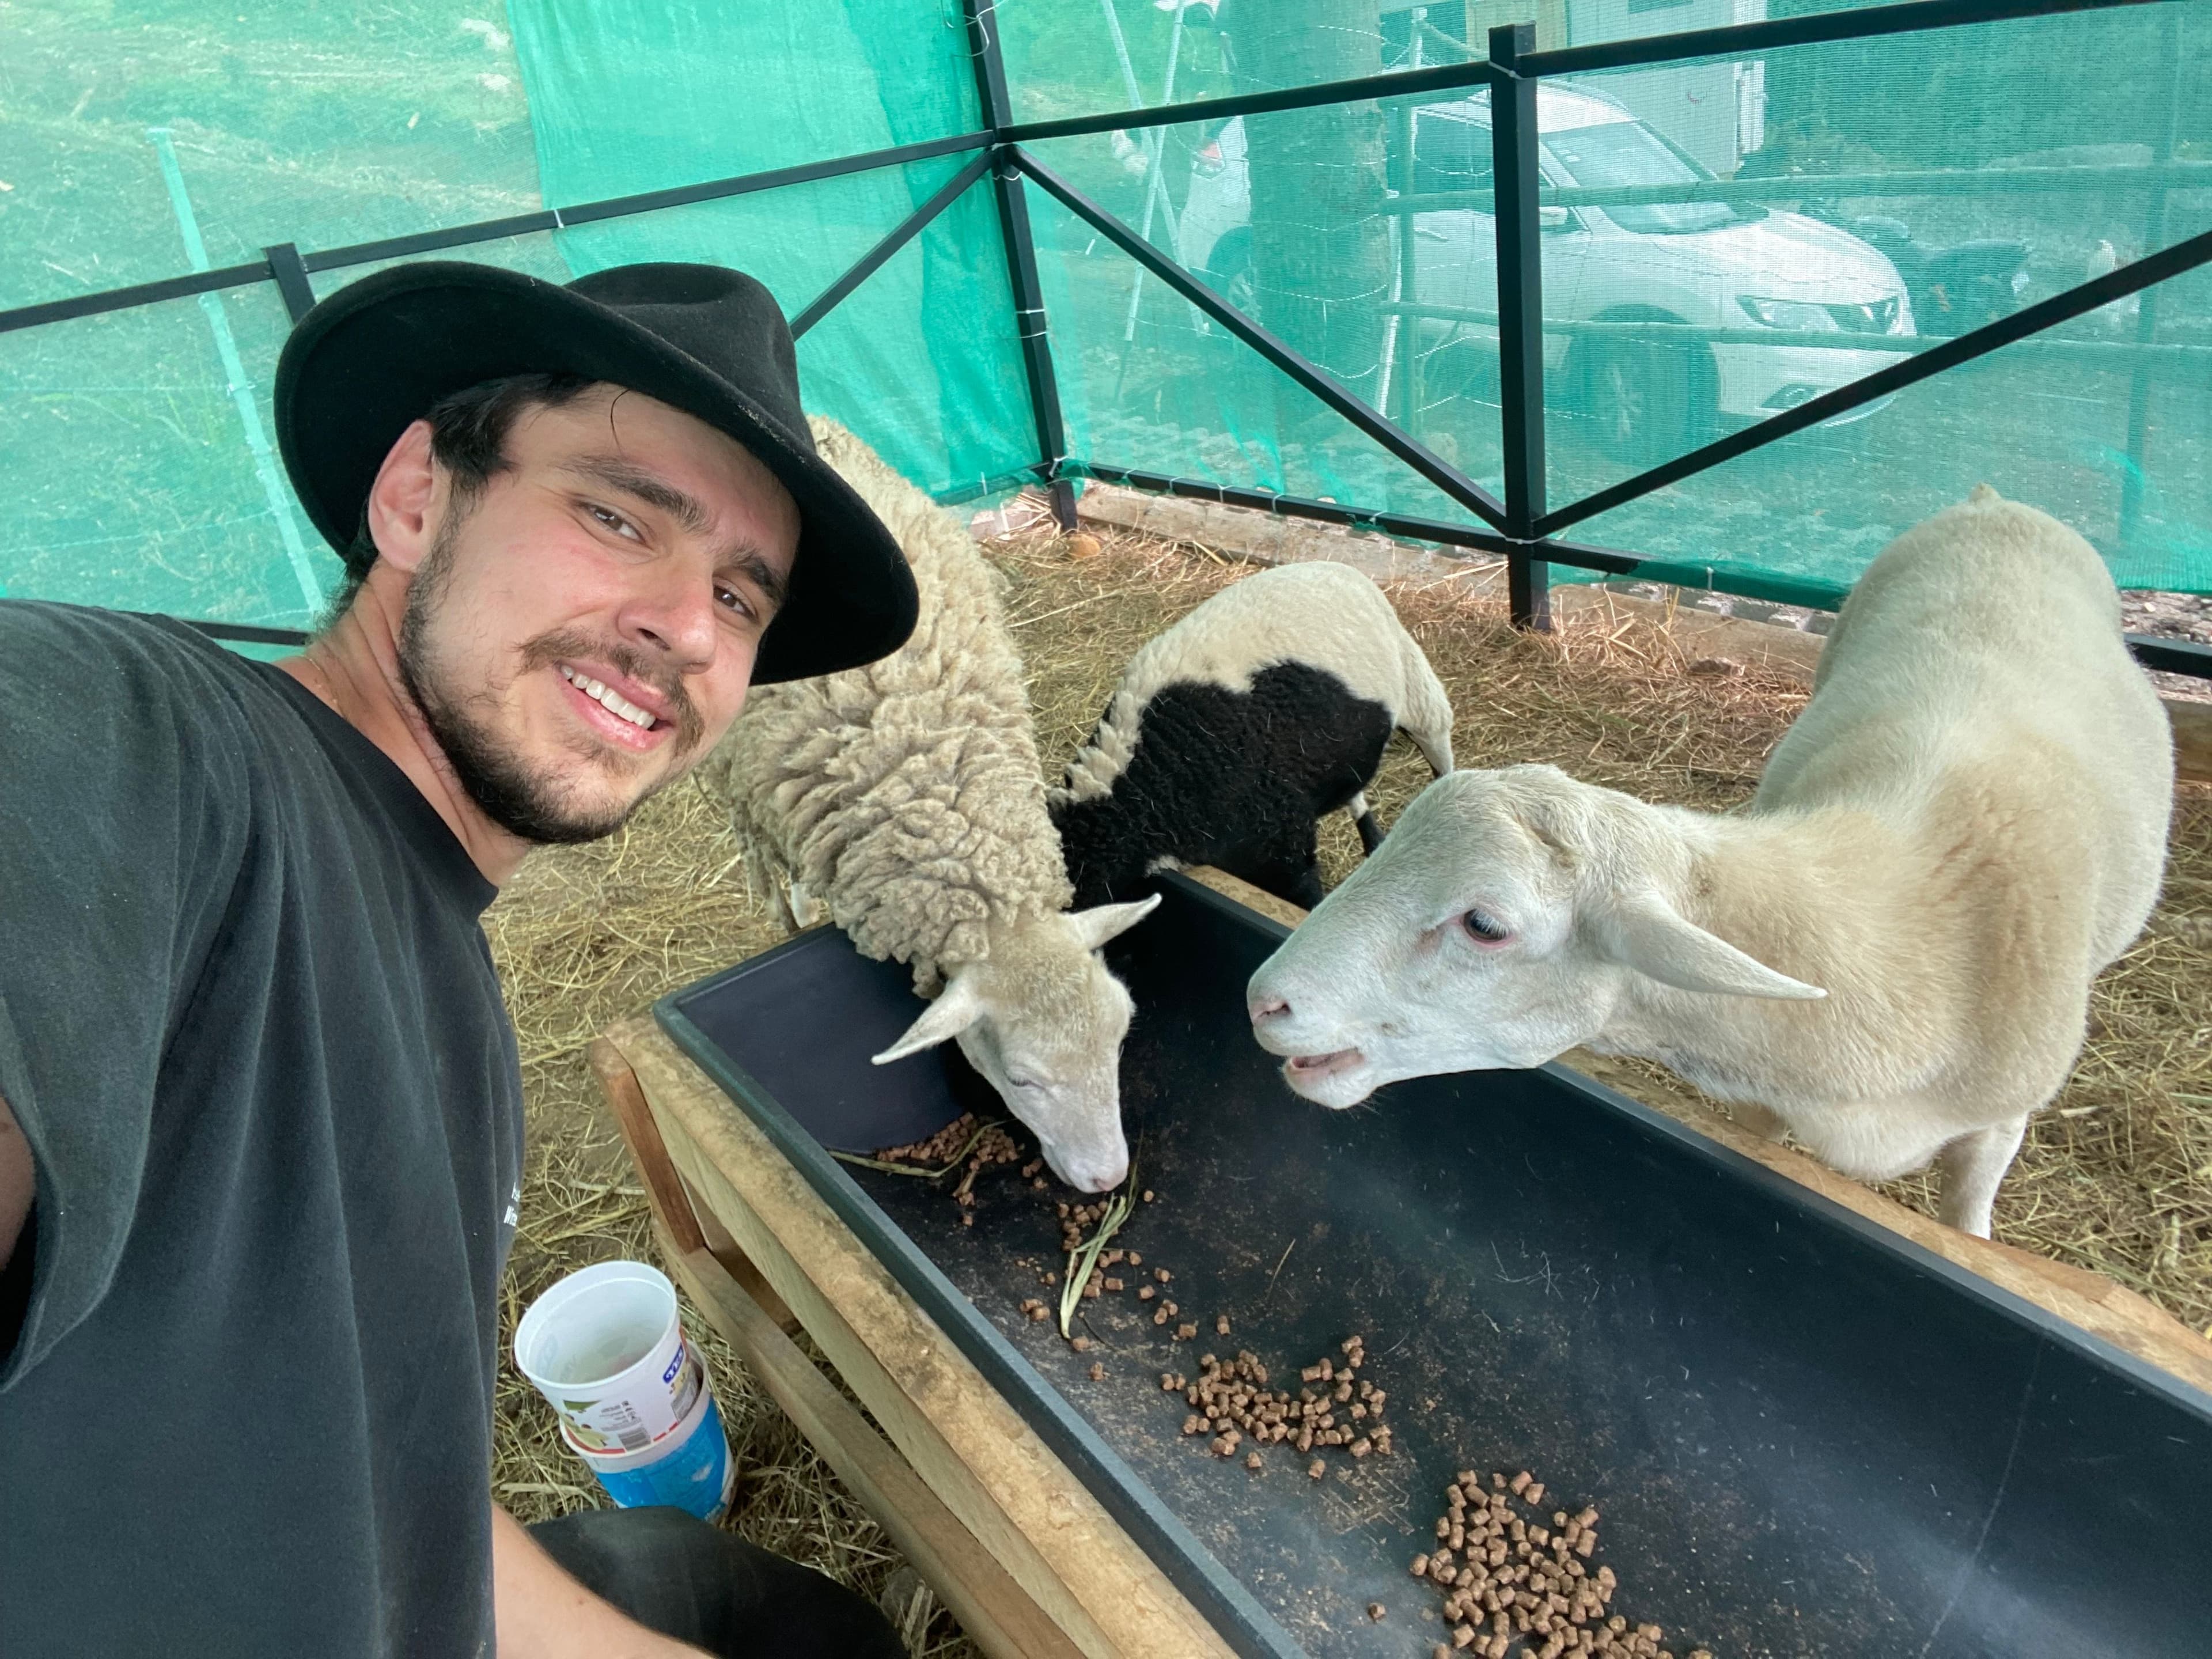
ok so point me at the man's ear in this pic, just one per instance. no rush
(401, 501)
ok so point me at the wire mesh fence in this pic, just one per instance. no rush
(1740, 213)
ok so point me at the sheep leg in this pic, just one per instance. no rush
(1362, 819)
(805, 909)
(1760, 1119)
(1973, 1165)
(763, 875)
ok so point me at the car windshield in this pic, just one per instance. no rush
(1621, 152)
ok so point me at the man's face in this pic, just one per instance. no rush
(585, 630)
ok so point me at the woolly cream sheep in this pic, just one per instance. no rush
(906, 799)
(1265, 708)
(1888, 952)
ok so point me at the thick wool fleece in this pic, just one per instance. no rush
(907, 795)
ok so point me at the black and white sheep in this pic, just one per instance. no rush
(1231, 733)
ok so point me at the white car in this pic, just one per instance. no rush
(1708, 264)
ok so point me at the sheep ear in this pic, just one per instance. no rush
(958, 1006)
(1650, 935)
(1102, 922)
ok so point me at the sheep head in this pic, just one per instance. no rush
(1042, 1020)
(1500, 924)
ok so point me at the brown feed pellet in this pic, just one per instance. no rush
(1507, 1577)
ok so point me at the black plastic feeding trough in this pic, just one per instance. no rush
(1807, 1436)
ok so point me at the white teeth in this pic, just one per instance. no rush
(614, 702)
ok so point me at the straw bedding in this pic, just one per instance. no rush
(2118, 1177)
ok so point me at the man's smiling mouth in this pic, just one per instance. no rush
(607, 697)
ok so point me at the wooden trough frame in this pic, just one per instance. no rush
(1014, 1543)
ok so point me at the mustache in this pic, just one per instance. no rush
(564, 644)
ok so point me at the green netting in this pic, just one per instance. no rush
(1804, 215)
(324, 124)
(1850, 256)
(1166, 392)
(139, 477)
(923, 361)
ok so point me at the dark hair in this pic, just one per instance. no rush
(468, 438)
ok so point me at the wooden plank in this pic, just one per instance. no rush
(687, 1225)
(664, 1187)
(991, 1608)
(2192, 739)
(975, 1451)
(2122, 1317)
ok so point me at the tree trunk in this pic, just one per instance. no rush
(1321, 244)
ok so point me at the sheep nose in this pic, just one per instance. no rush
(1267, 1007)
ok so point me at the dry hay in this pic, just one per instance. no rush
(586, 936)
(2117, 1178)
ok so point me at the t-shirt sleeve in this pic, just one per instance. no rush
(116, 824)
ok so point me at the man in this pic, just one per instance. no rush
(261, 1136)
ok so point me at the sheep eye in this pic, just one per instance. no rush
(1020, 1080)
(1484, 927)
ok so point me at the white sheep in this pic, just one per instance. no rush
(1265, 708)
(1888, 952)
(906, 798)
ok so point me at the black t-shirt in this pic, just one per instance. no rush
(249, 1024)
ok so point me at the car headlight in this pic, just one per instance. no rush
(1799, 314)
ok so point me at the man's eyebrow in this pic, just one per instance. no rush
(633, 480)
(772, 582)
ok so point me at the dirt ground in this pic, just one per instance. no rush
(2117, 1176)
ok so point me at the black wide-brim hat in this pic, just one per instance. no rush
(375, 356)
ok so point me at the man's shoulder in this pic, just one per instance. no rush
(141, 701)
(72, 652)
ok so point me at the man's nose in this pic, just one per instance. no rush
(678, 616)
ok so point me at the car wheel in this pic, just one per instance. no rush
(1649, 402)
(1237, 288)
(1229, 271)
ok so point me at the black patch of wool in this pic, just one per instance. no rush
(1233, 779)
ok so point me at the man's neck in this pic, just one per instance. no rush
(354, 667)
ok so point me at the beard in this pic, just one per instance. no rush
(535, 804)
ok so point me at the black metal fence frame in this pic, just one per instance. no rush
(1521, 527)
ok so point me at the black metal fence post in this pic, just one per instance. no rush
(290, 275)
(1021, 257)
(1520, 315)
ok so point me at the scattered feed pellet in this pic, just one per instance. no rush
(1507, 1578)
(1233, 1397)
(1098, 1371)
